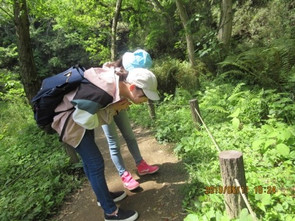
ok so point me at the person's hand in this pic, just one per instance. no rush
(121, 105)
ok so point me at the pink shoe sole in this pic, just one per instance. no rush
(131, 188)
(142, 173)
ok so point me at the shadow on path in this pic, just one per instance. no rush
(159, 197)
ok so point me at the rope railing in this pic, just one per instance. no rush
(246, 200)
(236, 180)
(208, 131)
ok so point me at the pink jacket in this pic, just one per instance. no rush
(88, 106)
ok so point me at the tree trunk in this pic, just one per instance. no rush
(28, 72)
(114, 30)
(189, 38)
(226, 18)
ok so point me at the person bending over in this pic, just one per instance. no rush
(138, 59)
(94, 103)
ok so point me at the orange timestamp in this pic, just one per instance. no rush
(265, 189)
(237, 189)
(226, 189)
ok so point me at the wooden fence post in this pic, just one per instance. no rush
(194, 105)
(151, 108)
(232, 167)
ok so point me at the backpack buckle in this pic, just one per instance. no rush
(68, 75)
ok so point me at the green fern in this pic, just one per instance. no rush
(217, 109)
(236, 91)
(267, 66)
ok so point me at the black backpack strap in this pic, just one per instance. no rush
(65, 125)
(78, 67)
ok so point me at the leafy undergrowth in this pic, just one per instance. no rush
(257, 122)
(35, 172)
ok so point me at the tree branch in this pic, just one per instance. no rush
(7, 13)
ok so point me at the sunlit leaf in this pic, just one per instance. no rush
(191, 217)
(245, 216)
(269, 142)
(236, 113)
(236, 123)
(266, 199)
(283, 149)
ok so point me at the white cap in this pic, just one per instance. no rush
(146, 80)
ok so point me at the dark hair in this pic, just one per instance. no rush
(122, 73)
(119, 69)
(118, 63)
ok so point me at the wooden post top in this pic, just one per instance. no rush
(230, 154)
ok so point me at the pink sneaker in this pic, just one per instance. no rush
(128, 181)
(143, 168)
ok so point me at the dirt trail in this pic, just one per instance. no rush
(159, 197)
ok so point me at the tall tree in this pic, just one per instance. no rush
(226, 19)
(167, 17)
(189, 38)
(28, 71)
(188, 35)
(114, 30)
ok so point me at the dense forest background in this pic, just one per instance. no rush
(236, 57)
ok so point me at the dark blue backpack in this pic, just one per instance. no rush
(52, 92)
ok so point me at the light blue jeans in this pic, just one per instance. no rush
(123, 123)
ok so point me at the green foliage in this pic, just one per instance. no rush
(66, 33)
(172, 73)
(155, 29)
(168, 130)
(271, 66)
(8, 55)
(166, 71)
(242, 118)
(173, 125)
(10, 86)
(254, 25)
(249, 106)
(142, 111)
(35, 173)
(8, 50)
(59, 48)
(209, 50)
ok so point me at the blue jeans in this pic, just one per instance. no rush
(122, 121)
(93, 165)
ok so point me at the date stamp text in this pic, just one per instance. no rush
(237, 189)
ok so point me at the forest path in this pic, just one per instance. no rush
(159, 197)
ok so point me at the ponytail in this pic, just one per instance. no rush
(116, 64)
(119, 69)
(122, 73)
